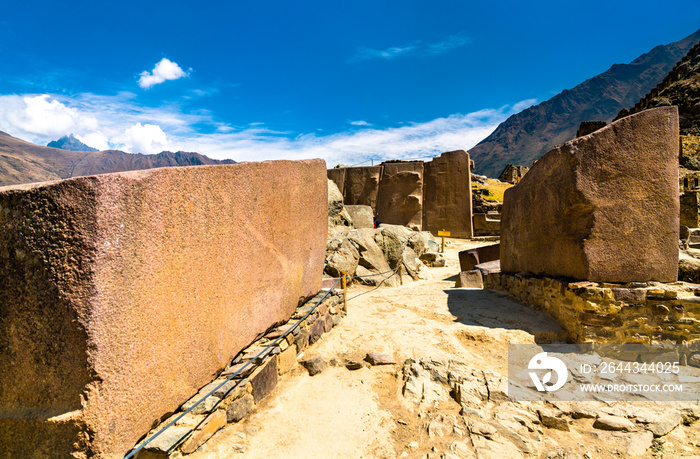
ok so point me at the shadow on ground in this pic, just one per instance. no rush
(487, 308)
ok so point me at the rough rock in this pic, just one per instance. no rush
(264, 379)
(166, 441)
(688, 268)
(342, 257)
(314, 365)
(361, 216)
(354, 364)
(603, 207)
(204, 431)
(447, 195)
(470, 279)
(375, 358)
(337, 214)
(608, 422)
(400, 199)
(238, 409)
(433, 259)
(98, 272)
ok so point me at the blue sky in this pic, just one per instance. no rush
(345, 81)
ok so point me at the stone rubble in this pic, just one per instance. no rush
(490, 425)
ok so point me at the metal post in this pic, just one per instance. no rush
(345, 293)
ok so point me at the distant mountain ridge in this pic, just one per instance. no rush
(69, 142)
(526, 136)
(681, 87)
(24, 162)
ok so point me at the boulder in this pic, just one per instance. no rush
(390, 245)
(361, 216)
(603, 207)
(341, 257)
(472, 257)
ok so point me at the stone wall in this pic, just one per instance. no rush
(690, 209)
(432, 196)
(650, 313)
(122, 294)
(401, 194)
(362, 186)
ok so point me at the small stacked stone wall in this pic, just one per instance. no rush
(258, 375)
(591, 312)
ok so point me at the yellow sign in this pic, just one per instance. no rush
(444, 233)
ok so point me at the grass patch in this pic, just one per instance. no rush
(495, 189)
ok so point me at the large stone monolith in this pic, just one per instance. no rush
(447, 195)
(603, 207)
(121, 295)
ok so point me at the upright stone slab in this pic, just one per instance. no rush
(603, 207)
(400, 200)
(123, 294)
(447, 195)
(362, 186)
(690, 209)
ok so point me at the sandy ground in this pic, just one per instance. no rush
(362, 414)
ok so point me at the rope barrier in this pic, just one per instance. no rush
(263, 352)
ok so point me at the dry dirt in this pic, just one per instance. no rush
(363, 414)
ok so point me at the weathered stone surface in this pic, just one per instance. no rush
(513, 174)
(375, 358)
(314, 365)
(472, 257)
(362, 186)
(168, 440)
(433, 259)
(204, 431)
(238, 409)
(401, 194)
(342, 257)
(603, 207)
(470, 279)
(607, 422)
(120, 286)
(337, 175)
(264, 379)
(337, 214)
(353, 364)
(316, 330)
(287, 359)
(447, 195)
(361, 216)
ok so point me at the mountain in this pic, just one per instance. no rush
(24, 162)
(526, 136)
(70, 143)
(681, 87)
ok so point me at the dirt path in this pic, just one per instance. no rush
(362, 413)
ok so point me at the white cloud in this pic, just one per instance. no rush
(146, 138)
(164, 70)
(417, 48)
(41, 116)
(360, 123)
(117, 122)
